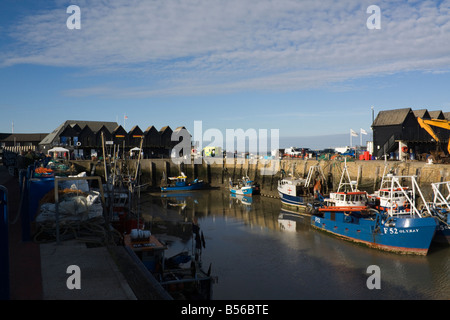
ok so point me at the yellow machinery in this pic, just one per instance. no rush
(426, 124)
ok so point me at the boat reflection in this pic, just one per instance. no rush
(292, 221)
(245, 200)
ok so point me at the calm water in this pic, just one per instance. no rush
(259, 252)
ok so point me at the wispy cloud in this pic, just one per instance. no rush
(216, 46)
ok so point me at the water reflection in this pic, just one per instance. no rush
(258, 250)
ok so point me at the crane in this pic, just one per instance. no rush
(427, 125)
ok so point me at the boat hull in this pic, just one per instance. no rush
(194, 186)
(443, 232)
(299, 203)
(405, 235)
(246, 191)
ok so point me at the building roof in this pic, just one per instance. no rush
(119, 130)
(135, 130)
(436, 114)
(93, 125)
(391, 117)
(164, 129)
(150, 128)
(422, 113)
(22, 137)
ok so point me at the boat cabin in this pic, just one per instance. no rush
(395, 199)
(179, 181)
(149, 250)
(348, 199)
(291, 186)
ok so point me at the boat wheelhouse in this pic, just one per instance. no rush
(347, 195)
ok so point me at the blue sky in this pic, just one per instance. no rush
(305, 67)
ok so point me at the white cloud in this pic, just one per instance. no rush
(198, 46)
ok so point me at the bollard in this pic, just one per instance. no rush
(4, 245)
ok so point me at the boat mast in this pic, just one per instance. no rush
(439, 199)
(342, 183)
(395, 184)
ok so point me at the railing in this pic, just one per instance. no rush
(18, 149)
(386, 147)
(4, 245)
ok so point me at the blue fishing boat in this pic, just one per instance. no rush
(180, 184)
(400, 229)
(244, 186)
(440, 208)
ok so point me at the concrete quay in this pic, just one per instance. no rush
(40, 271)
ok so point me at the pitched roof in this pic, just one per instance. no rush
(150, 128)
(135, 130)
(119, 129)
(436, 114)
(22, 137)
(391, 117)
(93, 125)
(423, 113)
(163, 129)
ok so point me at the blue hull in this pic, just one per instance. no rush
(194, 186)
(402, 235)
(294, 200)
(306, 204)
(243, 191)
(443, 232)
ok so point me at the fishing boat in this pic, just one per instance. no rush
(298, 192)
(347, 194)
(405, 229)
(180, 183)
(192, 282)
(440, 208)
(386, 198)
(244, 186)
(147, 248)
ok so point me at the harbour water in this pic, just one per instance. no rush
(259, 251)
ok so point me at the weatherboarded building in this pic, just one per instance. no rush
(21, 141)
(84, 139)
(397, 133)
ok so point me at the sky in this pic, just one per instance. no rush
(307, 68)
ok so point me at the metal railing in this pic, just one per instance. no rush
(386, 147)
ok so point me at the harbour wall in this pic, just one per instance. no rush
(267, 173)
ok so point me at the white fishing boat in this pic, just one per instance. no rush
(347, 194)
(298, 192)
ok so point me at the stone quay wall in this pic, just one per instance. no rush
(267, 173)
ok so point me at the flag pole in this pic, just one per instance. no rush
(351, 138)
